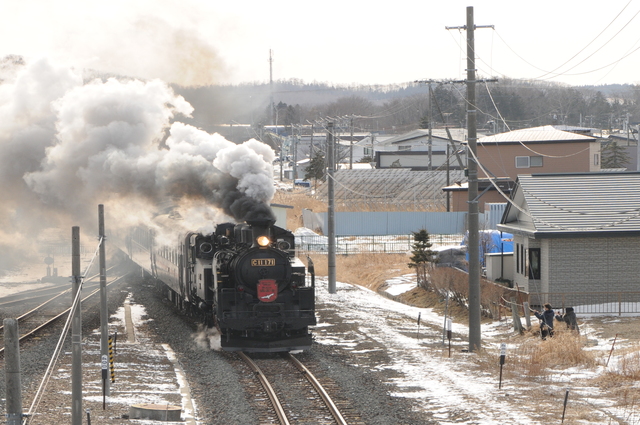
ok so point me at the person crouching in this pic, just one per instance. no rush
(546, 321)
(569, 317)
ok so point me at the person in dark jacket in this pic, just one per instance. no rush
(546, 319)
(569, 317)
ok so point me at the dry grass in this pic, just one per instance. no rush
(565, 349)
(299, 200)
(368, 270)
(624, 367)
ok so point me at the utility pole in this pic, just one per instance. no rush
(295, 155)
(76, 330)
(104, 312)
(351, 150)
(430, 118)
(472, 167)
(638, 148)
(12, 379)
(331, 253)
(273, 107)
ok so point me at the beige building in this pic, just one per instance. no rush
(502, 157)
(538, 150)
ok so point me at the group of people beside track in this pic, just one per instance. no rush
(548, 316)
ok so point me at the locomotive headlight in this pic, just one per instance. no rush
(263, 241)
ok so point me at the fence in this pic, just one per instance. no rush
(604, 303)
(395, 244)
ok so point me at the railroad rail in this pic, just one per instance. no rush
(275, 400)
(52, 318)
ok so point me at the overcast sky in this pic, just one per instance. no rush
(195, 42)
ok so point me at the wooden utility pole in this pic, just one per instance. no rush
(472, 168)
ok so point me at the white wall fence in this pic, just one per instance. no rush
(398, 244)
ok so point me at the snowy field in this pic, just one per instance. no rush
(453, 388)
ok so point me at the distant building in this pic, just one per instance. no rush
(538, 150)
(502, 157)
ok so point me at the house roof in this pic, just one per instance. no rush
(544, 134)
(412, 135)
(437, 133)
(574, 204)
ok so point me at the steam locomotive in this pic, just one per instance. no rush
(244, 279)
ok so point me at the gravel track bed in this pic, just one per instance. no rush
(216, 381)
(35, 353)
(216, 384)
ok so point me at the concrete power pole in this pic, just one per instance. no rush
(472, 167)
(104, 312)
(13, 383)
(76, 330)
(273, 107)
(351, 146)
(474, 242)
(331, 218)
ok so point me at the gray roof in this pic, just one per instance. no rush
(437, 133)
(572, 204)
(397, 186)
(542, 134)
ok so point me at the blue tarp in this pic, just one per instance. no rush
(491, 241)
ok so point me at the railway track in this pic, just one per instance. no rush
(291, 393)
(49, 311)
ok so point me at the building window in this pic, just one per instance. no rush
(535, 161)
(517, 258)
(367, 151)
(528, 161)
(534, 263)
(404, 148)
(596, 159)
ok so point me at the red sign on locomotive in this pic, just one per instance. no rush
(267, 290)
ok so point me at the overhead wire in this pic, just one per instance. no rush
(522, 143)
(547, 223)
(479, 58)
(600, 48)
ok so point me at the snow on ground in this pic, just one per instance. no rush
(419, 366)
(430, 379)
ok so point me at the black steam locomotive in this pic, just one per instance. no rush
(243, 279)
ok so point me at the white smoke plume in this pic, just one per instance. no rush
(67, 146)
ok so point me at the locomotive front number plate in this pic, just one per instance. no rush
(261, 262)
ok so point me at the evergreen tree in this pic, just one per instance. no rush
(316, 169)
(614, 156)
(423, 257)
